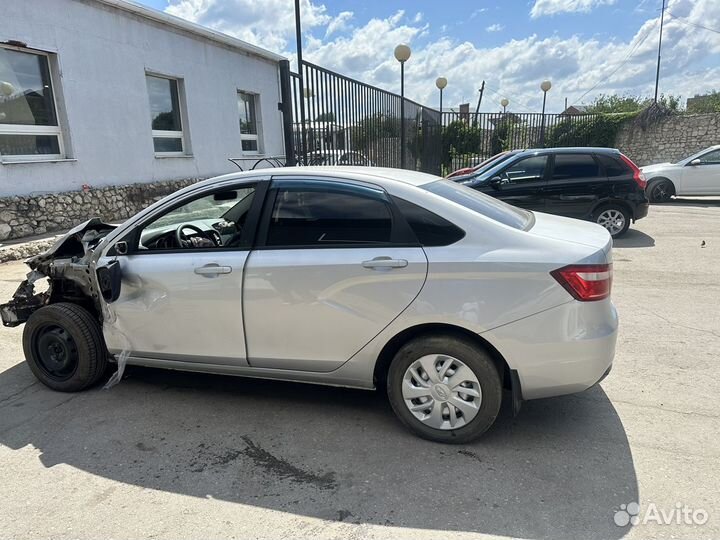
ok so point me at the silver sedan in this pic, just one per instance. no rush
(359, 277)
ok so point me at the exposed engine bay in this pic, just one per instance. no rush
(67, 266)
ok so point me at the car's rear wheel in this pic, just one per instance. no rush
(660, 190)
(444, 388)
(64, 347)
(615, 218)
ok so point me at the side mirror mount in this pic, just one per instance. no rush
(695, 162)
(121, 248)
(496, 182)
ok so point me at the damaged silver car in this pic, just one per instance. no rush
(357, 277)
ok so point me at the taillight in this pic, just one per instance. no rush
(585, 282)
(638, 175)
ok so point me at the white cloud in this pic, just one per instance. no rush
(494, 28)
(477, 12)
(513, 69)
(339, 23)
(551, 7)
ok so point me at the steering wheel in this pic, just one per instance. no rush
(182, 240)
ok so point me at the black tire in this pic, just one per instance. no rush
(64, 347)
(627, 216)
(660, 190)
(475, 358)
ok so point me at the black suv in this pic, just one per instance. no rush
(598, 184)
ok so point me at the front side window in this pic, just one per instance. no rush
(711, 158)
(165, 117)
(28, 120)
(212, 221)
(249, 132)
(571, 166)
(529, 169)
(329, 216)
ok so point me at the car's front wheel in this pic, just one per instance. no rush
(64, 347)
(615, 218)
(444, 388)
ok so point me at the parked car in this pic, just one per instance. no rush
(597, 184)
(482, 165)
(338, 157)
(348, 276)
(698, 174)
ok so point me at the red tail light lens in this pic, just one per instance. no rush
(638, 175)
(585, 282)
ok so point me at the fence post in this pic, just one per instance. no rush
(287, 114)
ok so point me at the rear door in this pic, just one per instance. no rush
(335, 263)
(576, 184)
(521, 183)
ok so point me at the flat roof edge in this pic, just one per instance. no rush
(197, 29)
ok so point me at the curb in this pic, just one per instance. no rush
(17, 252)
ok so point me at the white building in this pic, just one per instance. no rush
(107, 92)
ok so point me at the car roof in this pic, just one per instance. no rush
(377, 175)
(574, 150)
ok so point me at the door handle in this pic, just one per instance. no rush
(385, 262)
(212, 269)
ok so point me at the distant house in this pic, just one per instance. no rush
(108, 93)
(575, 110)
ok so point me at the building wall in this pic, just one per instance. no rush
(670, 139)
(103, 54)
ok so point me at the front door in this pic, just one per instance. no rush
(522, 183)
(181, 294)
(333, 267)
(703, 178)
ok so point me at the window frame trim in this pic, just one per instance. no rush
(258, 125)
(401, 234)
(166, 134)
(27, 129)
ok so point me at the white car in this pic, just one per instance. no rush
(349, 276)
(698, 174)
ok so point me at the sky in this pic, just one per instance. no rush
(584, 47)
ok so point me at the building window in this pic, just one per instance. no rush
(29, 127)
(249, 123)
(165, 117)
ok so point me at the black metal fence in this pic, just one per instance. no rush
(337, 120)
(470, 138)
(331, 119)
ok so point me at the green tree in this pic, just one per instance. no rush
(613, 103)
(709, 103)
(326, 117)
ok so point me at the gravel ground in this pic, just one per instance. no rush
(173, 455)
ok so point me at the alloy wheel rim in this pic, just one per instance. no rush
(441, 391)
(613, 220)
(660, 192)
(56, 352)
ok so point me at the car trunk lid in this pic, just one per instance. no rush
(573, 230)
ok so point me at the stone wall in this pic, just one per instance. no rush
(670, 139)
(40, 214)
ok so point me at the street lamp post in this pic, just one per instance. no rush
(441, 83)
(544, 86)
(402, 53)
(504, 102)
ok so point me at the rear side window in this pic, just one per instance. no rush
(429, 228)
(571, 166)
(613, 166)
(327, 217)
(482, 204)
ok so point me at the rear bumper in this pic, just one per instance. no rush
(563, 350)
(641, 210)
